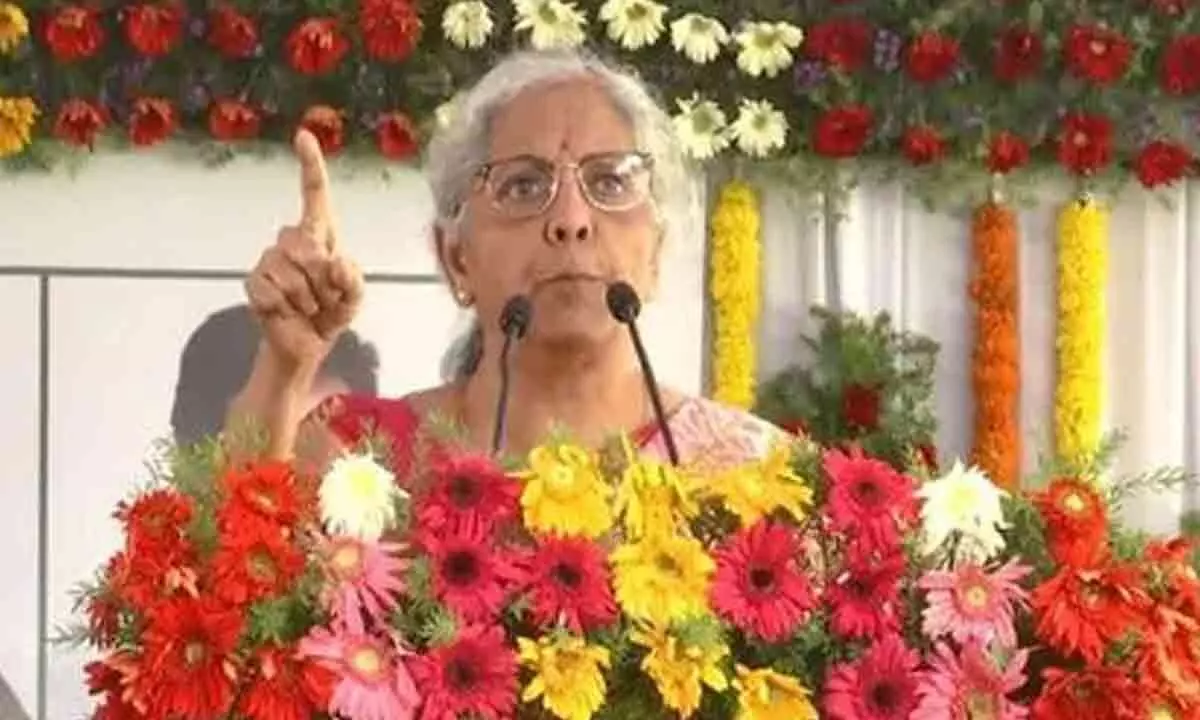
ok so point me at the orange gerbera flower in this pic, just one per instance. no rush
(1171, 575)
(1083, 611)
(1076, 522)
(1168, 657)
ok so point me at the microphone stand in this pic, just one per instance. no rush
(514, 321)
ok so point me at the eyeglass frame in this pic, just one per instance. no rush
(483, 175)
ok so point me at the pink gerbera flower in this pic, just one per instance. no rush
(471, 576)
(759, 585)
(363, 580)
(880, 685)
(373, 683)
(474, 676)
(969, 603)
(971, 686)
(465, 488)
(868, 500)
(569, 581)
(864, 601)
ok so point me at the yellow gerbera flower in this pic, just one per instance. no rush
(662, 579)
(17, 115)
(653, 497)
(565, 492)
(756, 490)
(568, 675)
(764, 694)
(681, 670)
(14, 27)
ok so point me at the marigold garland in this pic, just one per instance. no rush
(1082, 275)
(996, 359)
(734, 286)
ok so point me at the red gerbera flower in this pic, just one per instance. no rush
(1006, 152)
(864, 599)
(1076, 522)
(1167, 658)
(471, 576)
(474, 676)
(930, 56)
(390, 28)
(154, 29)
(842, 43)
(79, 122)
(189, 643)
(1018, 54)
(1179, 74)
(569, 581)
(759, 585)
(74, 32)
(232, 33)
(230, 120)
(1082, 611)
(283, 687)
(156, 522)
(1172, 575)
(113, 679)
(146, 579)
(316, 46)
(1085, 142)
(397, 136)
(151, 120)
(269, 490)
(1101, 693)
(1098, 54)
(868, 499)
(922, 145)
(1162, 162)
(254, 561)
(879, 685)
(466, 489)
(842, 131)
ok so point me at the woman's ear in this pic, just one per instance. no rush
(450, 257)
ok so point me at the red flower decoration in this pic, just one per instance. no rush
(327, 126)
(466, 489)
(111, 678)
(471, 575)
(1097, 54)
(930, 57)
(232, 33)
(868, 500)
(476, 675)
(1083, 611)
(74, 33)
(282, 687)
(267, 491)
(880, 685)
(569, 582)
(189, 643)
(864, 600)
(79, 122)
(795, 426)
(254, 561)
(154, 29)
(1076, 522)
(841, 132)
(1162, 163)
(1180, 72)
(759, 585)
(1006, 152)
(860, 403)
(316, 46)
(1167, 658)
(842, 43)
(390, 28)
(156, 522)
(1170, 7)
(1169, 563)
(397, 136)
(1019, 54)
(1085, 143)
(922, 145)
(928, 454)
(1102, 693)
(151, 121)
(230, 120)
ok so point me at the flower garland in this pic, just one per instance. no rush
(1082, 274)
(996, 359)
(734, 285)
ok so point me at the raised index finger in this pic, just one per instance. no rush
(316, 209)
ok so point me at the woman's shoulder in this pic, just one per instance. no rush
(711, 433)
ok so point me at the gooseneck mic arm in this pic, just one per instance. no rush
(625, 306)
(514, 321)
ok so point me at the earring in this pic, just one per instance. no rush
(463, 297)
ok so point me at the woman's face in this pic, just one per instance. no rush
(536, 224)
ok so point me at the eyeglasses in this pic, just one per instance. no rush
(525, 186)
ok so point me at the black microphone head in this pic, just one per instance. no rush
(623, 301)
(514, 318)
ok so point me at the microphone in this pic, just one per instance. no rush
(625, 306)
(514, 321)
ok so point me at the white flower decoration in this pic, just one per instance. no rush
(766, 47)
(698, 37)
(358, 497)
(759, 128)
(966, 502)
(701, 128)
(467, 23)
(552, 24)
(634, 24)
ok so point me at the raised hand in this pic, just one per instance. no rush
(303, 290)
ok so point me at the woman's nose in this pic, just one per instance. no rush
(569, 217)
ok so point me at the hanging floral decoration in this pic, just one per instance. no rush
(734, 286)
(1082, 268)
(996, 357)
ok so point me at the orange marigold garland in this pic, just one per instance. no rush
(996, 359)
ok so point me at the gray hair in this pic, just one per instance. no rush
(460, 147)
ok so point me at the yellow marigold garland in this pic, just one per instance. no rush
(17, 116)
(996, 358)
(14, 28)
(734, 285)
(1082, 276)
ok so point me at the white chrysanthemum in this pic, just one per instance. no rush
(701, 128)
(358, 497)
(766, 47)
(963, 501)
(759, 128)
(634, 24)
(467, 23)
(445, 113)
(698, 37)
(552, 24)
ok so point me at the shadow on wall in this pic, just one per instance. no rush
(10, 706)
(217, 359)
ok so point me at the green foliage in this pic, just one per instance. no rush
(860, 381)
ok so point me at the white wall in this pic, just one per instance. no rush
(133, 254)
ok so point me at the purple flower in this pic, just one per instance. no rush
(808, 74)
(197, 27)
(887, 50)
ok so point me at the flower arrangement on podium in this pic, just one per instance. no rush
(578, 584)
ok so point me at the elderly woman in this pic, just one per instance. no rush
(556, 176)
